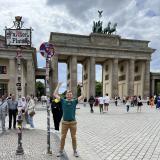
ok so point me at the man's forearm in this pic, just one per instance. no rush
(82, 94)
(57, 89)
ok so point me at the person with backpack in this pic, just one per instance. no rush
(57, 112)
(91, 102)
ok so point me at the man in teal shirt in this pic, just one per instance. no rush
(69, 120)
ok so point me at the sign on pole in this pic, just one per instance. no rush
(18, 37)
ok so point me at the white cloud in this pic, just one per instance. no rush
(138, 19)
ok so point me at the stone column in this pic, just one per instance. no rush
(131, 67)
(54, 74)
(114, 79)
(146, 90)
(152, 86)
(91, 77)
(107, 78)
(12, 76)
(30, 77)
(73, 75)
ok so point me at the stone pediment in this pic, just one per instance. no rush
(104, 39)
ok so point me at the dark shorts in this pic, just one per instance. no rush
(106, 104)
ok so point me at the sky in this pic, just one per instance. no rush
(137, 19)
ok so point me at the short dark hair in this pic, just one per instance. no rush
(68, 91)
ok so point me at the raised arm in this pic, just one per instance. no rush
(55, 94)
(82, 94)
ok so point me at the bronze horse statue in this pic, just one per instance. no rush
(112, 29)
(107, 29)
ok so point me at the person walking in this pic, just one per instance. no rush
(116, 101)
(69, 120)
(85, 102)
(3, 112)
(91, 102)
(57, 112)
(139, 106)
(158, 102)
(128, 103)
(13, 109)
(151, 101)
(106, 102)
(101, 102)
(31, 110)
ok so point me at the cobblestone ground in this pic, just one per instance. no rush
(118, 135)
(34, 143)
(115, 135)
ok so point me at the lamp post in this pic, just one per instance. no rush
(47, 51)
(18, 37)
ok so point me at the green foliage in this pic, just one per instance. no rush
(63, 94)
(99, 89)
(40, 88)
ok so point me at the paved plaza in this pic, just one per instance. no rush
(115, 135)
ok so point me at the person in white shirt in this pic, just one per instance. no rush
(106, 102)
(101, 102)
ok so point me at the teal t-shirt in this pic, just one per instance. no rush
(69, 109)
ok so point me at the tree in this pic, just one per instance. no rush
(40, 89)
(99, 89)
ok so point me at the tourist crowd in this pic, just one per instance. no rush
(11, 107)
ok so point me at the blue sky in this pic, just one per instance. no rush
(137, 19)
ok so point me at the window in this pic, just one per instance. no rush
(106, 67)
(106, 77)
(3, 70)
(3, 89)
(136, 69)
(122, 77)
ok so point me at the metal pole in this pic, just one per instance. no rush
(48, 106)
(19, 150)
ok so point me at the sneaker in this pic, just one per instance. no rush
(76, 154)
(60, 154)
(57, 132)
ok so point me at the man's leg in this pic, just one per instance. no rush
(3, 122)
(1, 118)
(102, 107)
(73, 130)
(54, 118)
(10, 119)
(63, 135)
(14, 118)
(92, 108)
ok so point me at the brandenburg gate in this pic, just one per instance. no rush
(125, 63)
